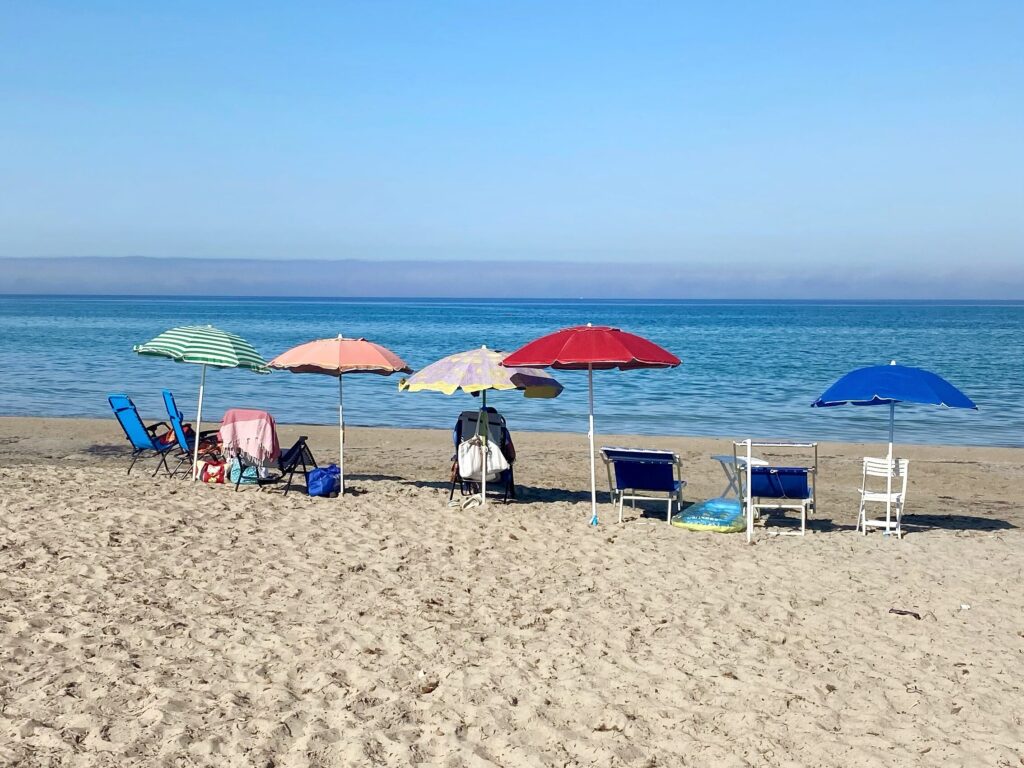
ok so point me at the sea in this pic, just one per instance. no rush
(750, 368)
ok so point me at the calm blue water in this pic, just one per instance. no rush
(749, 369)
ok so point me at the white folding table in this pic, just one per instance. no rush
(732, 466)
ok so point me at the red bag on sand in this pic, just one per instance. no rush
(212, 471)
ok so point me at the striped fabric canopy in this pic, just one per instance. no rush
(205, 345)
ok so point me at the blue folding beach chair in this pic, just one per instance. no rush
(638, 473)
(186, 439)
(143, 439)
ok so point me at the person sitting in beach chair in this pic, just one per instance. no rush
(639, 473)
(466, 428)
(185, 436)
(157, 438)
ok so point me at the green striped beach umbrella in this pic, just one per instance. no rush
(203, 345)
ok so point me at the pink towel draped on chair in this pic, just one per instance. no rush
(250, 435)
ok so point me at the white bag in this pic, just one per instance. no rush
(471, 459)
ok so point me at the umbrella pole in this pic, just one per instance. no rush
(748, 500)
(888, 477)
(199, 426)
(482, 420)
(590, 434)
(341, 435)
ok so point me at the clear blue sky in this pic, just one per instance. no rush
(811, 134)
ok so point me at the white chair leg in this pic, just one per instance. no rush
(668, 512)
(621, 499)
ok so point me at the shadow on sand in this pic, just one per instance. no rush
(108, 451)
(524, 493)
(354, 477)
(920, 523)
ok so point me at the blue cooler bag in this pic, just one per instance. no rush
(324, 481)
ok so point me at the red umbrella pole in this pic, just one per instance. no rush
(593, 471)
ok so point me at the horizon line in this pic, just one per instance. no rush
(498, 299)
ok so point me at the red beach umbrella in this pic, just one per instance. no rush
(592, 347)
(338, 357)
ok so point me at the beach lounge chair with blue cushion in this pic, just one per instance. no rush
(765, 487)
(638, 473)
(783, 488)
(144, 439)
(186, 440)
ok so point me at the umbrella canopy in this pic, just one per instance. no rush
(890, 384)
(592, 347)
(479, 370)
(476, 371)
(203, 345)
(338, 357)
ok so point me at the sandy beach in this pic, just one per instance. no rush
(147, 621)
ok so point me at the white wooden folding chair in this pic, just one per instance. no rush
(893, 495)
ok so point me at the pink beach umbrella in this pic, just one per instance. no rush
(338, 357)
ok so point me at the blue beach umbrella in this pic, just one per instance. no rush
(892, 384)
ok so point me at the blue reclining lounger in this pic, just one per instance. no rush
(783, 488)
(142, 438)
(186, 442)
(778, 487)
(638, 473)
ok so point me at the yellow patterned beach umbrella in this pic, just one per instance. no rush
(477, 371)
(480, 370)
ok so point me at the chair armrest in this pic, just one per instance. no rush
(153, 427)
(211, 453)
